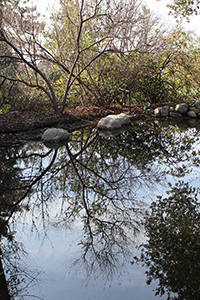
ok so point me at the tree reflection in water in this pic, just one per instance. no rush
(99, 183)
(15, 277)
(172, 252)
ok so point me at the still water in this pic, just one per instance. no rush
(102, 217)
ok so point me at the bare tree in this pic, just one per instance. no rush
(80, 34)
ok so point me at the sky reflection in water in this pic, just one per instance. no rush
(82, 207)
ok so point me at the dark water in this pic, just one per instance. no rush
(113, 217)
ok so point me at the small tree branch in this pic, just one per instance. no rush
(27, 84)
(33, 67)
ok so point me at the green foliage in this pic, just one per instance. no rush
(19, 22)
(91, 52)
(183, 71)
(184, 8)
(150, 82)
(139, 70)
(5, 108)
(169, 75)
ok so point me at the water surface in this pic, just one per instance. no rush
(72, 218)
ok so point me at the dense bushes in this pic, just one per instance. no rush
(91, 54)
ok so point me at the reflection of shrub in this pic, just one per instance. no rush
(172, 252)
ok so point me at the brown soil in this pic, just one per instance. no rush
(17, 127)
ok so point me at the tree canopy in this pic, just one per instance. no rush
(184, 8)
(89, 52)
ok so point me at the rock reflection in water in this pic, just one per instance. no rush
(102, 184)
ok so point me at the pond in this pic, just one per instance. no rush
(102, 217)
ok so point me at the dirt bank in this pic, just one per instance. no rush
(17, 127)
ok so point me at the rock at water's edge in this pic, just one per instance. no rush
(192, 114)
(175, 114)
(161, 111)
(197, 104)
(112, 122)
(182, 108)
(55, 135)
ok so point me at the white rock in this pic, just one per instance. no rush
(112, 122)
(55, 135)
(157, 111)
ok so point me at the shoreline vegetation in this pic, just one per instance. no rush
(88, 61)
(20, 126)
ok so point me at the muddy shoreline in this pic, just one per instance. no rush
(19, 127)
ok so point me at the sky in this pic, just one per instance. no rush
(46, 6)
(161, 9)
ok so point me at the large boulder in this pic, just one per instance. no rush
(112, 122)
(55, 135)
(182, 108)
(161, 111)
